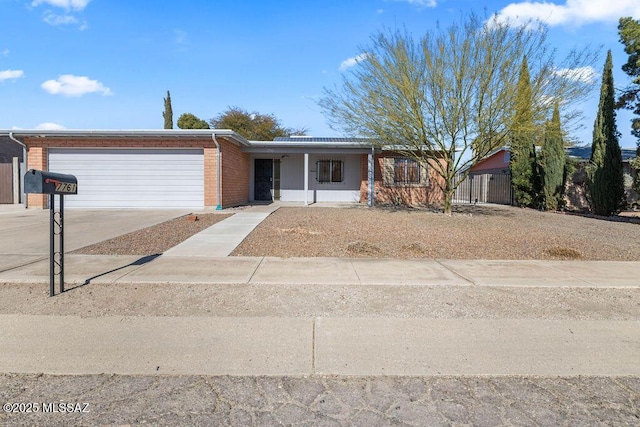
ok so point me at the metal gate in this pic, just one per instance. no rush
(485, 188)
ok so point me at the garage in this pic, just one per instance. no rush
(132, 178)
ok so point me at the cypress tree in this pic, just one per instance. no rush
(168, 112)
(523, 164)
(604, 172)
(553, 163)
(629, 31)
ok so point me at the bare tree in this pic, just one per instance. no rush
(448, 99)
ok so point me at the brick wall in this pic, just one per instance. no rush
(36, 159)
(235, 181)
(235, 175)
(408, 195)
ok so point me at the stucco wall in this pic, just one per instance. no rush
(494, 164)
(292, 179)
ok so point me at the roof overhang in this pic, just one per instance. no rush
(205, 134)
(292, 147)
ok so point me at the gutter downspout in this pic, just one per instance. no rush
(218, 173)
(24, 156)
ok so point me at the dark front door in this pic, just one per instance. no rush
(263, 180)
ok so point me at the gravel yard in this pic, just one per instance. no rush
(155, 239)
(472, 232)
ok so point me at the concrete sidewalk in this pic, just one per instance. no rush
(329, 345)
(274, 344)
(82, 269)
(223, 237)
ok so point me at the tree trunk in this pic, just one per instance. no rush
(448, 196)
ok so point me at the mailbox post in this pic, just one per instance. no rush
(43, 182)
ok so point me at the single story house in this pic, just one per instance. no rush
(196, 169)
(582, 154)
(490, 180)
(497, 161)
(576, 185)
(9, 150)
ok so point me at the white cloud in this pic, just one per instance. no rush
(68, 18)
(11, 75)
(421, 3)
(5, 52)
(70, 85)
(55, 20)
(573, 12)
(584, 74)
(65, 4)
(50, 126)
(350, 62)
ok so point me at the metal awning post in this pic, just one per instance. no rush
(371, 176)
(306, 179)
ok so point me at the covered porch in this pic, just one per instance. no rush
(311, 170)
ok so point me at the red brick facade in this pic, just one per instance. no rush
(235, 169)
(386, 193)
(235, 176)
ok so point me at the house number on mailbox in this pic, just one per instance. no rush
(63, 187)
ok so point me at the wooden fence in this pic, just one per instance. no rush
(6, 183)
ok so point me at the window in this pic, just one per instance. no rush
(329, 171)
(406, 171)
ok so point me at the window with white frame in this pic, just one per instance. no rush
(329, 171)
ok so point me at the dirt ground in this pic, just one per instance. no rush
(472, 232)
(155, 239)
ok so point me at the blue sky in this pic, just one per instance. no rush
(99, 64)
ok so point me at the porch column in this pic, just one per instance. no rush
(306, 179)
(371, 177)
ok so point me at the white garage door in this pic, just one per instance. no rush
(133, 178)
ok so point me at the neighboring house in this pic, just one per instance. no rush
(576, 185)
(489, 180)
(219, 168)
(9, 149)
(583, 154)
(496, 161)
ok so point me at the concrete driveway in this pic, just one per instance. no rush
(24, 233)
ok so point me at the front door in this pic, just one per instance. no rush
(263, 179)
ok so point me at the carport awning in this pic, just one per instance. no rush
(297, 147)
